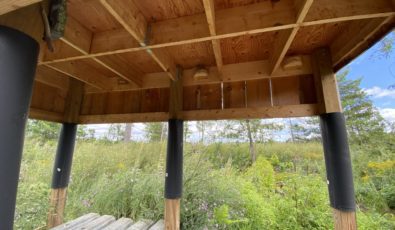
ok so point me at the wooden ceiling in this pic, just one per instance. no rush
(257, 54)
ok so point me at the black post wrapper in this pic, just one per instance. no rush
(174, 161)
(337, 161)
(64, 156)
(18, 61)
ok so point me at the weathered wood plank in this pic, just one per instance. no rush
(141, 225)
(160, 225)
(253, 113)
(120, 224)
(79, 221)
(98, 223)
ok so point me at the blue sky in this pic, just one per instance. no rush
(378, 73)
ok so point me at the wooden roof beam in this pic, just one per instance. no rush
(193, 29)
(215, 114)
(231, 72)
(79, 38)
(286, 37)
(210, 14)
(129, 16)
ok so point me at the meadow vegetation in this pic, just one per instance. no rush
(284, 189)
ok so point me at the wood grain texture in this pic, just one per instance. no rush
(326, 9)
(327, 83)
(73, 101)
(172, 214)
(56, 207)
(253, 113)
(96, 19)
(160, 10)
(8, 6)
(344, 220)
(247, 48)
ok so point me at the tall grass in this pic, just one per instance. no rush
(284, 189)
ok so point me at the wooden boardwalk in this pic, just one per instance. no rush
(93, 221)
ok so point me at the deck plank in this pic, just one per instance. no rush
(98, 223)
(74, 223)
(160, 225)
(141, 225)
(120, 224)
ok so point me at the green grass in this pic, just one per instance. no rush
(284, 189)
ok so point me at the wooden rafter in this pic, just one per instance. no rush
(233, 72)
(199, 22)
(210, 14)
(129, 16)
(79, 38)
(286, 37)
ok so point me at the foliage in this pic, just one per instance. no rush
(363, 120)
(284, 189)
(155, 131)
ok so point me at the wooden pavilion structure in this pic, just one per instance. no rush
(174, 60)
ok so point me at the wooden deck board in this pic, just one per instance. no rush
(79, 221)
(94, 221)
(141, 225)
(120, 224)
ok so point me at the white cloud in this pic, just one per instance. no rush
(378, 92)
(388, 113)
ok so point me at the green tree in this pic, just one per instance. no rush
(43, 130)
(116, 132)
(155, 131)
(306, 129)
(363, 120)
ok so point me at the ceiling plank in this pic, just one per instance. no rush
(210, 15)
(286, 37)
(354, 36)
(52, 78)
(80, 38)
(11, 5)
(85, 71)
(193, 29)
(130, 17)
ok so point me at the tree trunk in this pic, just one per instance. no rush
(252, 148)
(292, 131)
(128, 133)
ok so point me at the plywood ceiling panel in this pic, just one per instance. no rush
(192, 55)
(247, 48)
(92, 15)
(159, 10)
(311, 37)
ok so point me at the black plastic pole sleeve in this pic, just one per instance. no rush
(18, 61)
(64, 156)
(337, 161)
(174, 160)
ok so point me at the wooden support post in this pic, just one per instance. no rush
(174, 160)
(18, 61)
(334, 138)
(64, 154)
